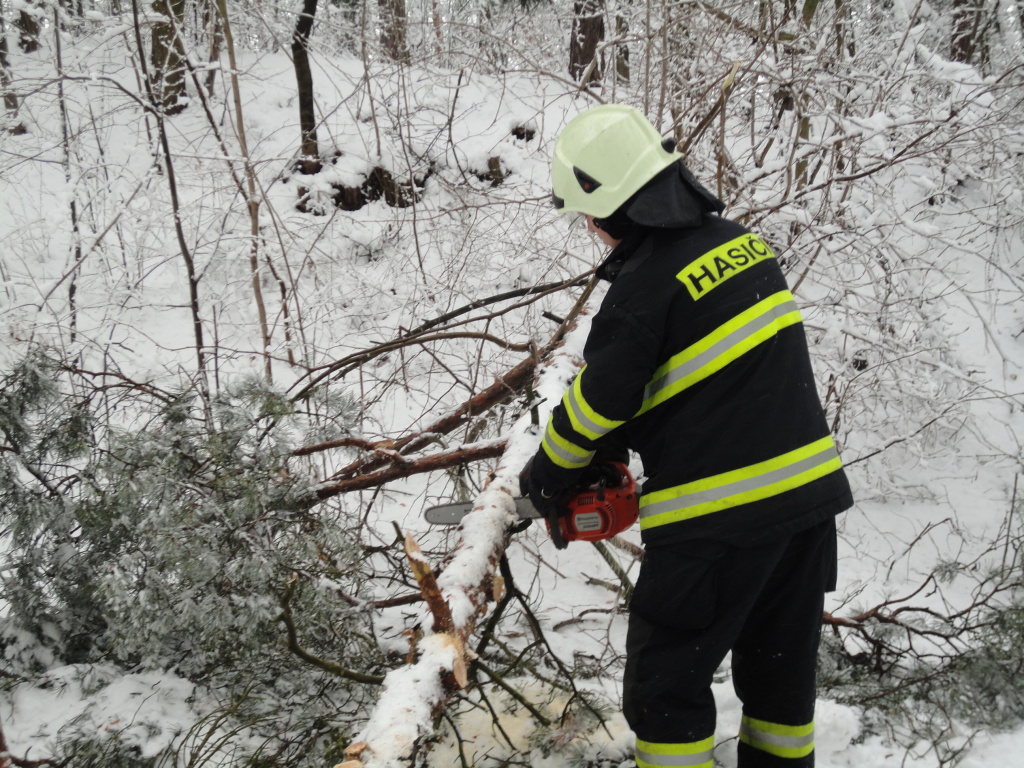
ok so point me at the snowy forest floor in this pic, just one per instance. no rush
(914, 310)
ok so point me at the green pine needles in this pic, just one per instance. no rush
(168, 540)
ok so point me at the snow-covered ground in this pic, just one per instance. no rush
(944, 496)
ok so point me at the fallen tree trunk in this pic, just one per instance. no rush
(413, 697)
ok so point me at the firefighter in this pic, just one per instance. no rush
(698, 362)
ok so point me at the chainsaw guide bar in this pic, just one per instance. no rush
(452, 514)
(606, 503)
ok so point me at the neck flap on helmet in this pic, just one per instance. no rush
(672, 199)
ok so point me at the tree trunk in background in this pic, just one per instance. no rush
(622, 50)
(72, 7)
(310, 161)
(969, 26)
(587, 33)
(393, 30)
(212, 22)
(810, 7)
(168, 57)
(28, 30)
(680, 66)
(10, 97)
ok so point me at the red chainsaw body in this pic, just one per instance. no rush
(601, 511)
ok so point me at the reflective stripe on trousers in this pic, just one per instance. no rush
(789, 741)
(697, 754)
(740, 486)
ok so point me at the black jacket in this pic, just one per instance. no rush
(697, 360)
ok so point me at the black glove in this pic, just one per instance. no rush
(551, 505)
(544, 501)
(524, 478)
(602, 474)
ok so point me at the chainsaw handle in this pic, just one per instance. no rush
(554, 525)
(605, 474)
(606, 484)
(604, 508)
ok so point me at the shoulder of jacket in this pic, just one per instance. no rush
(712, 233)
(655, 271)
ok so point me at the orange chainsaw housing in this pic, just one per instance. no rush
(600, 511)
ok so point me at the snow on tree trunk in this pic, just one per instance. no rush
(414, 696)
(168, 56)
(587, 34)
(394, 26)
(310, 162)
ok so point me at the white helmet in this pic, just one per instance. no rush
(604, 156)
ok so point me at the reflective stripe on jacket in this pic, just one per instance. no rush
(697, 360)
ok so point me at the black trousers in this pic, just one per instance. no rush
(696, 601)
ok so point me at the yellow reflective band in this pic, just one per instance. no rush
(696, 754)
(740, 486)
(562, 452)
(716, 266)
(791, 741)
(585, 419)
(722, 346)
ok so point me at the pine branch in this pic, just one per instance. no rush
(535, 290)
(627, 585)
(7, 759)
(293, 644)
(339, 368)
(503, 388)
(501, 683)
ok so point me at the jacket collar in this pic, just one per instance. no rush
(612, 266)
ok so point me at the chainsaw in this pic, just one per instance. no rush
(597, 510)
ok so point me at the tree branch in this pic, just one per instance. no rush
(293, 644)
(7, 759)
(408, 468)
